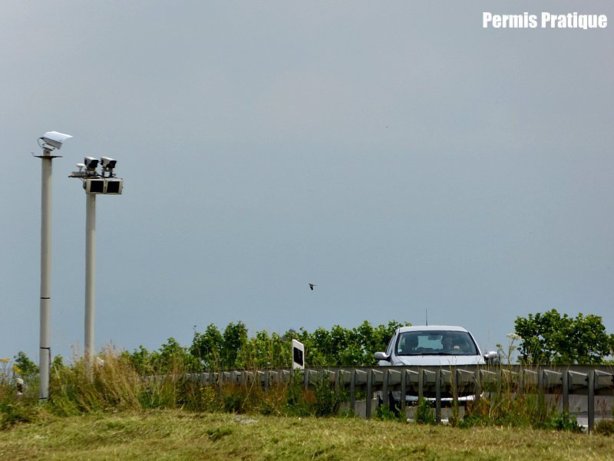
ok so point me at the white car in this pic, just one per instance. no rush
(432, 346)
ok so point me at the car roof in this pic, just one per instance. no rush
(431, 328)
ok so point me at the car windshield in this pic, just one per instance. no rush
(435, 343)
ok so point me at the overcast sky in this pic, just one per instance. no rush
(395, 153)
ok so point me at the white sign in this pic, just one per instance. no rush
(298, 355)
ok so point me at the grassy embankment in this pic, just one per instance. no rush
(177, 434)
(117, 414)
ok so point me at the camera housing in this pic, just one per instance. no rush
(108, 165)
(91, 164)
(108, 162)
(54, 139)
(94, 182)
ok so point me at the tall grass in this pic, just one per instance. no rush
(508, 403)
(17, 402)
(115, 384)
(111, 384)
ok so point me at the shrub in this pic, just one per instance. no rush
(563, 422)
(12, 413)
(386, 414)
(111, 382)
(327, 399)
(605, 427)
(425, 414)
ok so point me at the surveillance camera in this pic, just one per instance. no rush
(90, 163)
(54, 139)
(108, 162)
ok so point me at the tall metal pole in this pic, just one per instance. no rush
(45, 294)
(90, 276)
(94, 184)
(49, 142)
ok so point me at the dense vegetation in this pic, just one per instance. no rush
(544, 339)
(233, 348)
(553, 339)
(164, 379)
(143, 379)
(114, 385)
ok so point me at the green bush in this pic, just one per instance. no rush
(605, 427)
(425, 414)
(327, 399)
(563, 422)
(386, 414)
(12, 413)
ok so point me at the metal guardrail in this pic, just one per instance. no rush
(435, 382)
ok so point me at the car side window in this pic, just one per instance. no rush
(401, 345)
(390, 347)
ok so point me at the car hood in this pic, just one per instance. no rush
(436, 360)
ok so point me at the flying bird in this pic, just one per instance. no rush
(311, 285)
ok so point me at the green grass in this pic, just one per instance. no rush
(178, 434)
(114, 413)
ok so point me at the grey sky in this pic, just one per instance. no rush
(395, 153)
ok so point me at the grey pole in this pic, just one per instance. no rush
(90, 277)
(45, 288)
(93, 183)
(49, 142)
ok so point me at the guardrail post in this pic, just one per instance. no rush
(337, 383)
(385, 399)
(403, 390)
(566, 391)
(353, 392)
(591, 400)
(369, 395)
(478, 379)
(438, 396)
(455, 390)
